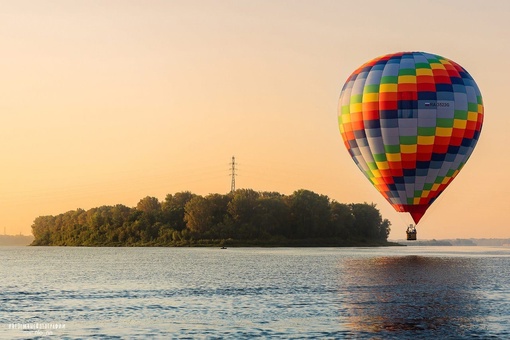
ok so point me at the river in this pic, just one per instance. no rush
(331, 293)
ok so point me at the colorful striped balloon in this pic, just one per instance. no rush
(410, 121)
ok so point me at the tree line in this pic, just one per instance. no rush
(243, 217)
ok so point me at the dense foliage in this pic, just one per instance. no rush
(242, 217)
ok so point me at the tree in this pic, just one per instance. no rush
(384, 230)
(272, 216)
(41, 230)
(367, 220)
(342, 219)
(149, 205)
(309, 213)
(173, 209)
(242, 206)
(120, 214)
(198, 214)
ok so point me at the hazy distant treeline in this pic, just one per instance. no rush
(188, 219)
(16, 240)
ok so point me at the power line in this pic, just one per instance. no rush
(233, 174)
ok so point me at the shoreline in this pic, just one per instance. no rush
(299, 243)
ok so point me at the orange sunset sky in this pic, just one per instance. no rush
(106, 102)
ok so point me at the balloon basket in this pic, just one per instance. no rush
(411, 233)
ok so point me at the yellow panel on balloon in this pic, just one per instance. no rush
(408, 148)
(426, 140)
(382, 165)
(424, 72)
(370, 97)
(443, 132)
(356, 107)
(436, 66)
(459, 123)
(407, 79)
(393, 157)
(388, 88)
(473, 116)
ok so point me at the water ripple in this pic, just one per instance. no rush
(269, 293)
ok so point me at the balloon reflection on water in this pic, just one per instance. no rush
(410, 293)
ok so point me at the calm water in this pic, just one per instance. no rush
(370, 293)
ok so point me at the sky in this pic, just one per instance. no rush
(107, 102)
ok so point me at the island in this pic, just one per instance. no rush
(244, 217)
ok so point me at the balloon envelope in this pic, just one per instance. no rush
(410, 121)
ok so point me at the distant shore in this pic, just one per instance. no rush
(16, 240)
(23, 240)
(462, 242)
(305, 243)
(272, 243)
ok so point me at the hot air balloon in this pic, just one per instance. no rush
(410, 121)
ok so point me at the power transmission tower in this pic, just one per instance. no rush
(233, 174)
